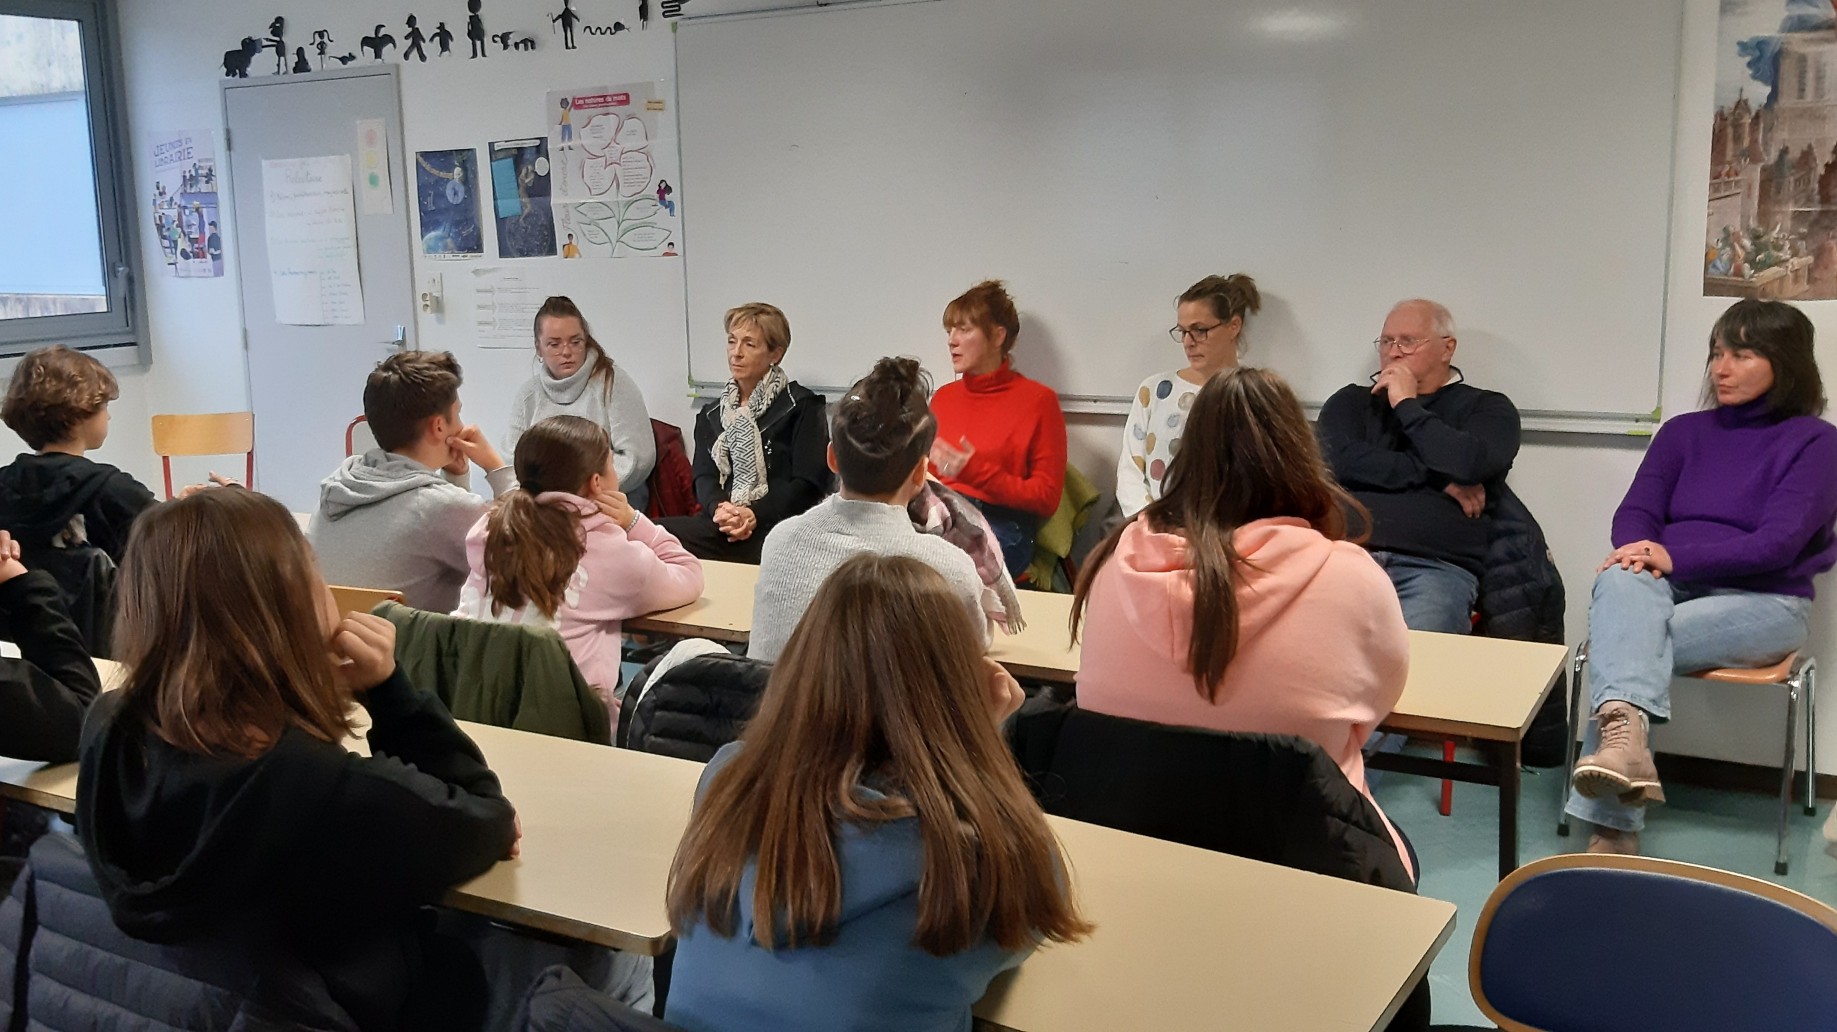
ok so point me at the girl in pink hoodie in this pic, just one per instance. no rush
(566, 550)
(1234, 602)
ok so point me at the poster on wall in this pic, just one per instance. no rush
(185, 204)
(520, 196)
(1772, 212)
(615, 173)
(373, 167)
(504, 306)
(446, 194)
(311, 227)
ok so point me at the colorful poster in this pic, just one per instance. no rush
(616, 175)
(185, 204)
(520, 193)
(1772, 226)
(446, 195)
(311, 228)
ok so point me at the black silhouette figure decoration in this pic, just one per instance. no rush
(509, 41)
(375, 43)
(276, 29)
(644, 14)
(673, 8)
(601, 30)
(412, 40)
(345, 59)
(322, 39)
(300, 63)
(236, 62)
(443, 37)
(567, 20)
(475, 28)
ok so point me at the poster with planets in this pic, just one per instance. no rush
(446, 195)
(520, 195)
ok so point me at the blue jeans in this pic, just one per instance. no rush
(1643, 630)
(1436, 595)
(1014, 531)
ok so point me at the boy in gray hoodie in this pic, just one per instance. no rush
(397, 515)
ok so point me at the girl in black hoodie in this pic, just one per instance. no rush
(217, 801)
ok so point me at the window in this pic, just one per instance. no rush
(67, 266)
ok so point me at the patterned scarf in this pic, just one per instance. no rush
(937, 509)
(739, 453)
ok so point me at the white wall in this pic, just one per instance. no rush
(1572, 483)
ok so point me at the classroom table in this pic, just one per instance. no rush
(1186, 938)
(1460, 686)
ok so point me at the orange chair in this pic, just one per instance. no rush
(213, 433)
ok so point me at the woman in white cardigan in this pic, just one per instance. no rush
(575, 377)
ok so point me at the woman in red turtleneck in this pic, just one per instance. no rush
(1001, 436)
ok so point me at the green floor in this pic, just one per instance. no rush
(1730, 830)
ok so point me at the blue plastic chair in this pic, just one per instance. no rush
(1601, 943)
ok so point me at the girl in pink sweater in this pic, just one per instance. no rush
(1298, 630)
(566, 550)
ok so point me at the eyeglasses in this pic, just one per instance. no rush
(1404, 345)
(1198, 333)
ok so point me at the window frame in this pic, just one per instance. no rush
(116, 337)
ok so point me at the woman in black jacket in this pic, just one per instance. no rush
(219, 805)
(761, 451)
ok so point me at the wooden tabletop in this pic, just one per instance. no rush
(1468, 686)
(1185, 936)
(1191, 939)
(723, 613)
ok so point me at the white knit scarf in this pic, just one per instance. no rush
(739, 453)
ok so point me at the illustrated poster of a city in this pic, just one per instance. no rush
(185, 220)
(1772, 227)
(615, 181)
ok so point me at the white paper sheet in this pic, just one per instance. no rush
(504, 307)
(373, 167)
(312, 241)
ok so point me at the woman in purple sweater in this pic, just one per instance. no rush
(1715, 547)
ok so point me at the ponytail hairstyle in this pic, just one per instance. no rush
(1247, 454)
(883, 427)
(1230, 296)
(562, 307)
(532, 547)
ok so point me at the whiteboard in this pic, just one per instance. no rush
(860, 166)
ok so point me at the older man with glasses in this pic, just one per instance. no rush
(1425, 453)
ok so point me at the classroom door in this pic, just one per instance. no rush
(306, 382)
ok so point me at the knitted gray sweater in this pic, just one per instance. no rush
(801, 552)
(621, 411)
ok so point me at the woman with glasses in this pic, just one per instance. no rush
(575, 377)
(1210, 331)
(1001, 436)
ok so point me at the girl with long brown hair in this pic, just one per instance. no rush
(566, 549)
(1235, 600)
(867, 855)
(575, 376)
(217, 801)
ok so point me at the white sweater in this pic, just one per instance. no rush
(1157, 418)
(800, 553)
(621, 412)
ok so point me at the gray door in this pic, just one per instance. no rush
(306, 382)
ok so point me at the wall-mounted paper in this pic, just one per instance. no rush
(504, 307)
(185, 203)
(520, 188)
(614, 154)
(312, 241)
(446, 192)
(373, 167)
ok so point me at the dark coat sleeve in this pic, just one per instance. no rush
(421, 814)
(800, 479)
(1356, 460)
(708, 489)
(45, 693)
(1479, 450)
(114, 509)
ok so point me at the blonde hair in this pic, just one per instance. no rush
(767, 319)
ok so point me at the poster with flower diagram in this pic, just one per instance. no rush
(615, 179)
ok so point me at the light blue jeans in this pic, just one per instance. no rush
(1644, 630)
(1436, 595)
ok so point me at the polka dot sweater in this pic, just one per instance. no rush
(1157, 418)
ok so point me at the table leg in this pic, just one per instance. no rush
(1506, 756)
